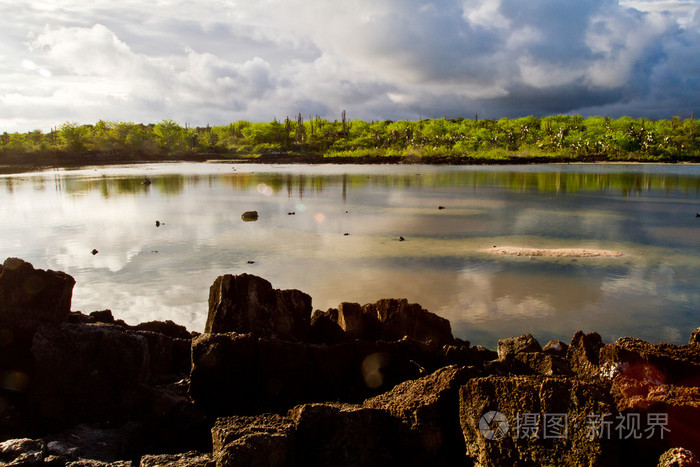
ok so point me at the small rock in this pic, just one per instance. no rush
(291, 213)
(695, 337)
(157, 223)
(94, 252)
(401, 239)
(697, 214)
(249, 216)
(346, 234)
(441, 207)
(251, 262)
(146, 181)
(678, 457)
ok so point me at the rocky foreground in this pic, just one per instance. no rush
(269, 384)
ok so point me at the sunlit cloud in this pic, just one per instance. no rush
(217, 62)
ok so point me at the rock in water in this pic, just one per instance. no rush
(248, 304)
(249, 216)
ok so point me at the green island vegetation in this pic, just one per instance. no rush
(522, 140)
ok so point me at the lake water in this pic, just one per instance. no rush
(54, 219)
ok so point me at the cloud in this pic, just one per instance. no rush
(217, 62)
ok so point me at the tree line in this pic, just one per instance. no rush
(562, 137)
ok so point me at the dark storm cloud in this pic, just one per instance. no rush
(219, 61)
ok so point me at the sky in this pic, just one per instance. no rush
(218, 61)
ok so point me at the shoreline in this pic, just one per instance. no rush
(382, 383)
(40, 162)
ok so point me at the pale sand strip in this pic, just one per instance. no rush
(553, 252)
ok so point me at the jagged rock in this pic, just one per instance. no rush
(324, 328)
(349, 435)
(240, 374)
(508, 348)
(96, 463)
(398, 318)
(582, 354)
(86, 372)
(540, 363)
(249, 304)
(29, 297)
(556, 347)
(358, 323)
(429, 407)
(104, 316)
(266, 439)
(166, 328)
(695, 337)
(641, 389)
(515, 439)
(169, 359)
(461, 353)
(388, 320)
(22, 452)
(187, 459)
(671, 364)
(678, 457)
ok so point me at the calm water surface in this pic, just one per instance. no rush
(142, 272)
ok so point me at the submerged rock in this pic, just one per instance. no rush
(249, 216)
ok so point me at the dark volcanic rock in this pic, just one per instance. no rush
(249, 304)
(582, 354)
(241, 374)
(22, 452)
(540, 363)
(398, 318)
(556, 347)
(166, 328)
(266, 439)
(103, 316)
(186, 459)
(86, 372)
(388, 320)
(695, 337)
(358, 323)
(429, 407)
(678, 457)
(672, 364)
(508, 348)
(169, 358)
(325, 328)
(29, 297)
(348, 435)
(529, 405)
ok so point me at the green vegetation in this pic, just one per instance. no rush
(527, 139)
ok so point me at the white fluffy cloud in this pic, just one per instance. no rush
(215, 62)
